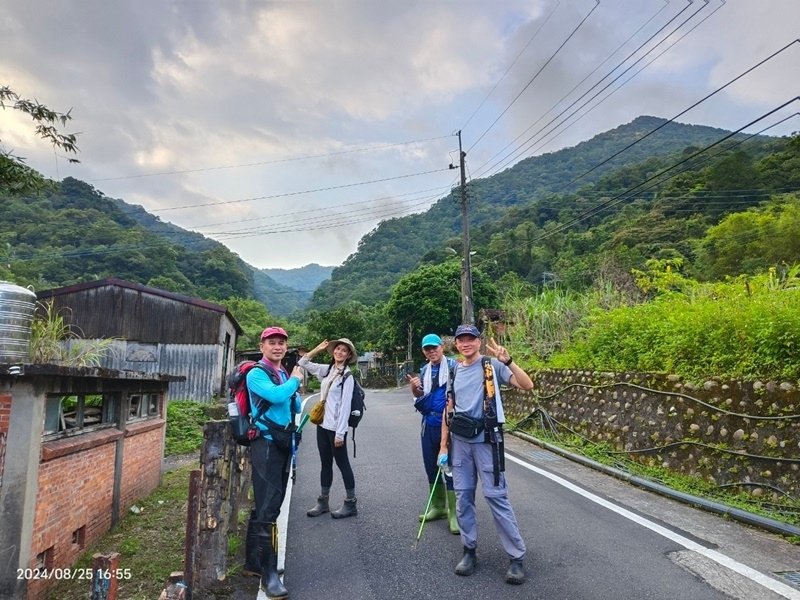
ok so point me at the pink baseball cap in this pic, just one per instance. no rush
(274, 331)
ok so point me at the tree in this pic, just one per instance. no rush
(429, 299)
(15, 175)
(252, 317)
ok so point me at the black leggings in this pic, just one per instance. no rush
(327, 453)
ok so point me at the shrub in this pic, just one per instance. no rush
(740, 329)
(185, 420)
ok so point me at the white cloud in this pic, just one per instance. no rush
(198, 85)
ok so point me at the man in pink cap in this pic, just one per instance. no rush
(272, 391)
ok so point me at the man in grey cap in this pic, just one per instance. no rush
(472, 433)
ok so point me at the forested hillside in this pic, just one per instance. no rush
(304, 279)
(524, 225)
(396, 246)
(71, 232)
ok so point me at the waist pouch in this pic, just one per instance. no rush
(282, 434)
(465, 426)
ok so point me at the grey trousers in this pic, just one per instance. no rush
(470, 461)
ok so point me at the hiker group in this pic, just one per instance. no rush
(461, 441)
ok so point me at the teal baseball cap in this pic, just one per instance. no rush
(431, 340)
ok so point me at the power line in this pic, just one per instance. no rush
(316, 210)
(565, 96)
(527, 85)
(272, 162)
(299, 193)
(622, 195)
(684, 111)
(503, 76)
(526, 145)
(551, 135)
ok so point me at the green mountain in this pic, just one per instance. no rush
(304, 279)
(88, 236)
(396, 246)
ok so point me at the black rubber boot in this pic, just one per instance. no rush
(321, 507)
(466, 566)
(516, 572)
(252, 556)
(348, 509)
(271, 583)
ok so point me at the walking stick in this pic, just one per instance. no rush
(428, 506)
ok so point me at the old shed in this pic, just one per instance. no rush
(156, 331)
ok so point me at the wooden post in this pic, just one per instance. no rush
(105, 569)
(192, 513)
(218, 458)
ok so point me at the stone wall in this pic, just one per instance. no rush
(744, 434)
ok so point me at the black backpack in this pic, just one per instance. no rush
(357, 407)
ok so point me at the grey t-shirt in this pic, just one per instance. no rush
(468, 390)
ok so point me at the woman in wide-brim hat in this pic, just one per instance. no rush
(331, 347)
(336, 391)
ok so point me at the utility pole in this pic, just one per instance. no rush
(467, 307)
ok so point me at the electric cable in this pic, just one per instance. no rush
(525, 146)
(547, 62)
(555, 133)
(503, 76)
(597, 68)
(624, 195)
(271, 162)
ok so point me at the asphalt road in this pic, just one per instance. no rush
(589, 537)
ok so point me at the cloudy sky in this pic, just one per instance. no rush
(288, 130)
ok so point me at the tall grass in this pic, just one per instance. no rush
(746, 328)
(53, 341)
(543, 324)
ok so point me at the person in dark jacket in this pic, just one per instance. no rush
(430, 397)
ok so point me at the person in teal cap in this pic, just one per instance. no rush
(430, 398)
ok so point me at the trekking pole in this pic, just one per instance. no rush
(427, 508)
(303, 422)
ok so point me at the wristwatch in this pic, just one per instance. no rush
(509, 361)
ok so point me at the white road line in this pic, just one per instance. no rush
(726, 561)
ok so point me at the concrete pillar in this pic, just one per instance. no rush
(20, 483)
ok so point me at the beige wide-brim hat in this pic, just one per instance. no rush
(353, 354)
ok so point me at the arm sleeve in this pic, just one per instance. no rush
(503, 372)
(344, 412)
(316, 369)
(260, 384)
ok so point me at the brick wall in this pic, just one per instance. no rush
(141, 464)
(75, 490)
(76, 481)
(5, 415)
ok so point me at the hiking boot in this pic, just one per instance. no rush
(348, 509)
(466, 565)
(321, 507)
(452, 519)
(516, 572)
(271, 583)
(437, 509)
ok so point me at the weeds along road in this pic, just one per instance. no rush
(588, 536)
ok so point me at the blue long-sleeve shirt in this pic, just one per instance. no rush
(261, 386)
